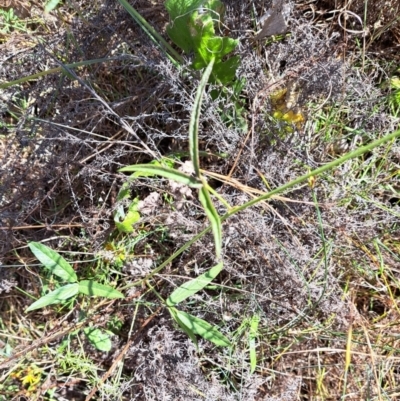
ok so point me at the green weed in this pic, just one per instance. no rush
(9, 22)
(192, 325)
(58, 266)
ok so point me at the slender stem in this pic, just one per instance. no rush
(173, 55)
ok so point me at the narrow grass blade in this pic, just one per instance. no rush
(64, 68)
(195, 118)
(172, 54)
(98, 338)
(193, 286)
(202, 328)
(255, 320)
(55, 297)
(53, 261)
(165, 172)
(92, 288)
(214, 218)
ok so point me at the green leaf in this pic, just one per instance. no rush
(194, 121)
(165, 172)
(124, 222)
(178, 29)
(193, 286)
(125, 226)
(51, 5)
(202, 328)
(92, 288)
(163, 162)
(98, 338)
(189, 333)
(214, 218)
(226, 71)
(55, 297)
(53, 261)
(192, 28)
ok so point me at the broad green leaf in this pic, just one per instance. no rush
(189, 333)
(194, 121)
(98, 338)
(192, 28)
(193, 286)
(91, 288)
(53, 261)
(165, 172)
(202, 328)
(56, 296)
(214, 218)
(225, 71)
(178, 29)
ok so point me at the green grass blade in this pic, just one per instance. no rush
(195, 118)
(172, 54)
(92, 288)
(214, 218)
(203, 329)
(193, 286)
(255, 320)
(55, 297)
(166, 172)
(53, 261)
(314, 173)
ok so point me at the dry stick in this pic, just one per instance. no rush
(49, 226)
(121, 355)
(121, 121)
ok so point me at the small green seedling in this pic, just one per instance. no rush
(61, 268)
(10, 22)
(249, 330)
(126, 217)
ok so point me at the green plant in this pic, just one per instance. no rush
(61, 268)
(58, 266)
(193, 28)
(10, 22)
(190, 324)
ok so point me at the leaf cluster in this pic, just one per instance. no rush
(192, 28)
(58, 266)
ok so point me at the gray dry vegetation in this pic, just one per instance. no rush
(326, 291)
